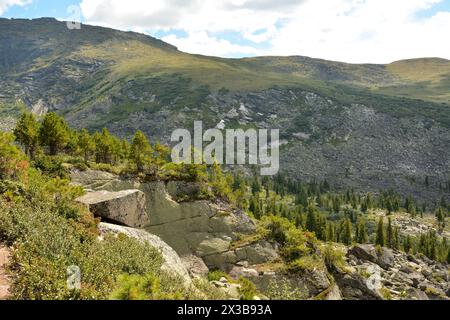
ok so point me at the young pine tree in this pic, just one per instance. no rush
(141, 151)
(27, 133)
(380, 239)
(362, 232)
(86, 144)
(54, 133)
(347, 234)
(311, 218)
(390, 234)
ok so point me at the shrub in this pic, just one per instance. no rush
(216, 275)
(294, 242)
(51, 166)
(148, 287)
(283, 290)
(12, 160)
(333, 258)
(305, 263)
(247, 290)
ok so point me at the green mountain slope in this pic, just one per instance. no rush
(364, 126)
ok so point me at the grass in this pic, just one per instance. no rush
(133, 63)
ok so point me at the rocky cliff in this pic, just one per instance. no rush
(196, 236)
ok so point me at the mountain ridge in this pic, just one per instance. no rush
(363, 126)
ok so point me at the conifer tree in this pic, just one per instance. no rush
(330, 232)
(390, 234)
(347, 235)
(141, 151)
(311, 218)
(396, 240)
(27, 133)
(380, 238)
(54, 133)
(362, 232)
(86, 144)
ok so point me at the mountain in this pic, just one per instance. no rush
(362, 126)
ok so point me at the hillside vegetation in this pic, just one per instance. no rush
(50, 231)
(366, 126)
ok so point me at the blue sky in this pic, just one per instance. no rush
(376, 31)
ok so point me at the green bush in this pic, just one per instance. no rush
(295, 243)
(51, 166)
(306, 263)
(148, 287)
(216, 275)
(333, 258)
(247, 290)
(283, 290)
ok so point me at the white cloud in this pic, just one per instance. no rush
(348, 30)
(200, 42)
(5, 4)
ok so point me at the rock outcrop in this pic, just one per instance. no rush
(211, 235)
(172, 262)
(125, 207)
(191, 227)
(391, 274)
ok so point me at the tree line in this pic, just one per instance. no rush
(53, 136)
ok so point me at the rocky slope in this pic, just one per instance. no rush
(358, 126)
(197, 236)
(386, 274)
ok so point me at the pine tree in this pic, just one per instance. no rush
(347, 235)
(380, 239)
(407, 244)
(27, 133)
(330, 232)
(390, 234)
(54, 133)
(396, 240)
(362, 232)
(141, 151)
(311, 218)
(103, 146)
(86, 144)
(162, 154)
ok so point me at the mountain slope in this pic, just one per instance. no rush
(362, 126)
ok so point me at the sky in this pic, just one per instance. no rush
(355, 31)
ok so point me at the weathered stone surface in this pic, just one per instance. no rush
(354, 287)
(213, 245)
(238, 272)
(195, 265)
(260, 252)
(172, 262)
(416, 294)
(385, 258)
(124, 207)
(92, 179)
(190, 227)
(230, 289)
(334, 294)
(317, 280)
(365, 252)
(404, 276)
(224, 261)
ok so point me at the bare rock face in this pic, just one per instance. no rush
(172, 261)
(197, 268)
(125, 207)
(364, 252)
(391, 274)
